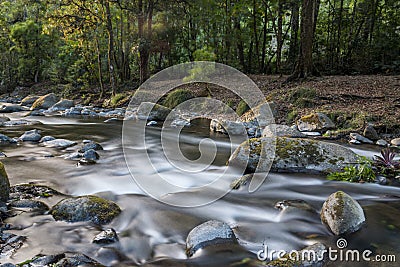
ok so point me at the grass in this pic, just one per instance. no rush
(242, 108)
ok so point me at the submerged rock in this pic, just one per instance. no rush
(4, 139)
(292, 155)
(32, 205)
(45, 102)
(85, 208)
(296, 204)
(31, 191)
(90, 145)
(315, 122)
(241, 181)
(32, 135)
(106, 237)
(208, 234)
(47, 138)
(11, 108)
(280, 130)
(342, 214)
(62, 260)
(59, 143)
(4, 184)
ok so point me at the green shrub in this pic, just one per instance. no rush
(291, 116)
(177, 97)
(242, 108)
(362, 172)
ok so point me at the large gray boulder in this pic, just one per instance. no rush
(9, 108)
(207, 234)
(263, 114)
(32, 135)
(62, 105)
(282, 131)
(342, 214)
(292, 155)
(85, 208)
(227, 127)
(315, 122)
(155, 112)
(4, 184)
(59, 143)
(45, 102)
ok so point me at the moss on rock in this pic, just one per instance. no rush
(4, 184)
(85, 208)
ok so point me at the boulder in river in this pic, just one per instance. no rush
(292, 155)
(47, 138)
(155, 112)
(342, 214)
(207, 234)
(282, 131)
(382, 142)
(11, 108)
(29, 100)
(85, 208)
(91, 155)
(90, 145)
(370, 133)
(30, 204)
(263, 114)
(315, 122)
(4, 139)
(227, 127)
(59, 143)
(45, 102)
(106, 237)
(32, 135)
(360, 138)
(4, 184)
(62, 105)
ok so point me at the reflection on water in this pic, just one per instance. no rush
(150, 230)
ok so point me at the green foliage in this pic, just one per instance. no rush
(362, 172)
(116, 99)
(204, 54)
(242, 108)
(177, 97)
(291, 116)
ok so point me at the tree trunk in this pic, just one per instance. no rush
(144, 39)
(111, 52)
(279, 40)
(304, 67)
(293, 47)
(100, 71)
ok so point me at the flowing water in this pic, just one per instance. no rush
(152, 233)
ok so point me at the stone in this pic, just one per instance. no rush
(296, 204)
(208, 234)
(381, 180)
(314, 255)
(370, 133)
(4, 139)
(112, 120)
(59, 143)
(281, 131)
(20, 123)
(180, 123)
(382, 142)
(32, 136)
(47, 138)
(32, 205)
(155, 112)
(342, 214)
(3, 119)
(91, 155)
(241, 181)
(151, 123)
(395, 142)
(292, 155)
(263, 114)
(73, 156)
(354, 142)
(315, 122)
(360, 138)
(62, 105)
(11, 108)
(90, 145)
(4, 184)
(227, 127)
(32, 191)
(106, 237)
(45, 102)
(85, 208)
(29, 100)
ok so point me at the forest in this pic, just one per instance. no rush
(112, 44)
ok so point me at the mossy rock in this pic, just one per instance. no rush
(45, 102)
(4, 184)
(342, 214)
(85, 208)
(292, 155)
(177, 97)
(151, 111)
